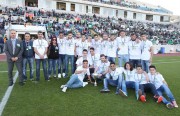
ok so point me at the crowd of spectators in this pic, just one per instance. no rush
(85, 24)
(132, 4)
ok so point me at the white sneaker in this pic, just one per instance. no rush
(54, 76)
(59, 75)
(63, 75)
(85, 83)
(62, 86)
(64, 89)
(122, 93)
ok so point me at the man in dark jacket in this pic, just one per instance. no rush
(14, 50)
(28, 56)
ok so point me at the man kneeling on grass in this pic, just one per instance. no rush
(76, 80)
(113, 77)
(144, 85)
(162, 87)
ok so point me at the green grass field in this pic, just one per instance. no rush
(46, 99)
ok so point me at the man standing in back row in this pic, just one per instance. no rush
(40, 48)
(14, 50)
(146, 52)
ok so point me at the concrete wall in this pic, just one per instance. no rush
(168, 48)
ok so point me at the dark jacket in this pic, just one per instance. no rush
(53, 52)
(28, 49)
(18, 50)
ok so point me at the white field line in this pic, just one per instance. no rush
(13, 71)
(7, 95)
(168, 60)
(165, 62)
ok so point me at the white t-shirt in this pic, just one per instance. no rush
(134, 50)
(94, 59)
(70, 46)
(115, 74)
(103, 66)
(81, 75)
(156, 79)
(129, 75)
(140, 78)
(79, 62)
(104, 47)
(145, 47)
(62, 45)
(40, 45)
(97, 46)
(123, 45)
(81, 46)
(112, 48)
(77, 48)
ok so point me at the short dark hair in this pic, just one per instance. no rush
(95, 35)
(139, 66)
(131, 66)
(70, 32)
(152, 66)
(122, 31)
(61, 32)
(92, 48)
(102, 55)
(112, 63)
(27, 33)
(85, 50)
(85, 61)
(40, 32)
(133, 34)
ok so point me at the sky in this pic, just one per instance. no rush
(172, 5)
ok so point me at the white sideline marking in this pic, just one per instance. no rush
(14, 71)
(7, 71)
(168, 60)
(7, 94)
(165, 62)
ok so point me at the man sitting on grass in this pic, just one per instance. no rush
(113, 77)
(76, 80)
(144, 85)
(162, 87)
(102, 66)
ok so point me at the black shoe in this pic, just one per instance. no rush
(11, 83)
(21, 83)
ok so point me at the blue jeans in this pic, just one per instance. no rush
(61, 64)
(30, 61)
(52, 66)
(122, 58)
(74, 82)
(135, 62)
(67, 57)
(149, 87)
(112, 59)
(165, 89)
(132, 85)
(38, 62)
(145, 65)
(117, 82)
